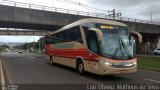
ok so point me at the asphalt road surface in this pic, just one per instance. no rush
(29, 71)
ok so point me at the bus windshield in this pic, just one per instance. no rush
(116, 42)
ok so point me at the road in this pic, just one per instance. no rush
(32, 71)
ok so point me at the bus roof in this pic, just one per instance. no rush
(89, 20)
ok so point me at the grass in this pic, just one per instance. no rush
(150, 63)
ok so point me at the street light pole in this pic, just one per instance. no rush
(151, 16)
(33, 42)
(39, 44)
(28, 43)
(114, 12)
(23, 43)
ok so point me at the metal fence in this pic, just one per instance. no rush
(18, 29)
(68, 11)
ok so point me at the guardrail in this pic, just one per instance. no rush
(68, 11)
(18, 29)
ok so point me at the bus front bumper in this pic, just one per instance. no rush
(110, 70)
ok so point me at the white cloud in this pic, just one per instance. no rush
(57, 3)
(5, 38)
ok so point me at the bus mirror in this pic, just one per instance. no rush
(134, 33)
(80, 40)
(98, 32)
(47, 40)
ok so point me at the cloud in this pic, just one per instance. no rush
(154, 8)
(121, 3)
(150, 8)
(139, 9)
(131, 8)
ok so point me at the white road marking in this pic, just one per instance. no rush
(151, 80)
(5, 68)
(2, 75)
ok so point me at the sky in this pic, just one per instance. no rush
(25, 39)
(139, 9)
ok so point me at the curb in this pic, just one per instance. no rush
(150, 69)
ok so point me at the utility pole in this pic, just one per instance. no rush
(28, 43)
(25, 44)
(151, 16)
(33, 43)
(39, 45)
(114, 14)
(22, 47)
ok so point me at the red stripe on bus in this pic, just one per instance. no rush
(72, 53)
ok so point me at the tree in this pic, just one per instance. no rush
(4, 46)
(41, 43)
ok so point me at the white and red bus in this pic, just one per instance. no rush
(94, 45)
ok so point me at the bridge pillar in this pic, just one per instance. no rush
(158, 42)
(150, 42)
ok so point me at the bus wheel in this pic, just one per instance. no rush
(155, 53)
(51, 60)
(80, 68)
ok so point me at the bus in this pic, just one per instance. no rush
(98, 46)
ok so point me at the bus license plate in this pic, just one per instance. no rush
(123, 71)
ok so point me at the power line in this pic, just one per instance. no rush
(112, 13)
(67, 1)
(82, 5)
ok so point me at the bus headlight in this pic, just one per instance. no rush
(135, 63)
(108, 64)
(102, 60)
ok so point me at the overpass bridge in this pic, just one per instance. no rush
(38, 17)
(14, 31)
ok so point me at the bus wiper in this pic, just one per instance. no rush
(106, 54)
(120, 47)
(126, 49)
(115, 52)
(121, 43)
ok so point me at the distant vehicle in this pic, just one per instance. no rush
(20, 51)
(156, 51)
(14, 50)
(98, 46)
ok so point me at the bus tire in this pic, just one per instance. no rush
(80, 67)
(155, 53)
(51, 60)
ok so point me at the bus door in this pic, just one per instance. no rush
(92, 43)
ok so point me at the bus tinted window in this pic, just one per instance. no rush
(50, 39)
(72, 34)
(76, 34)
(92, 41)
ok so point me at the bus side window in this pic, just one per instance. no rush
(92, 41)
(76, 34)
(49, 40)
